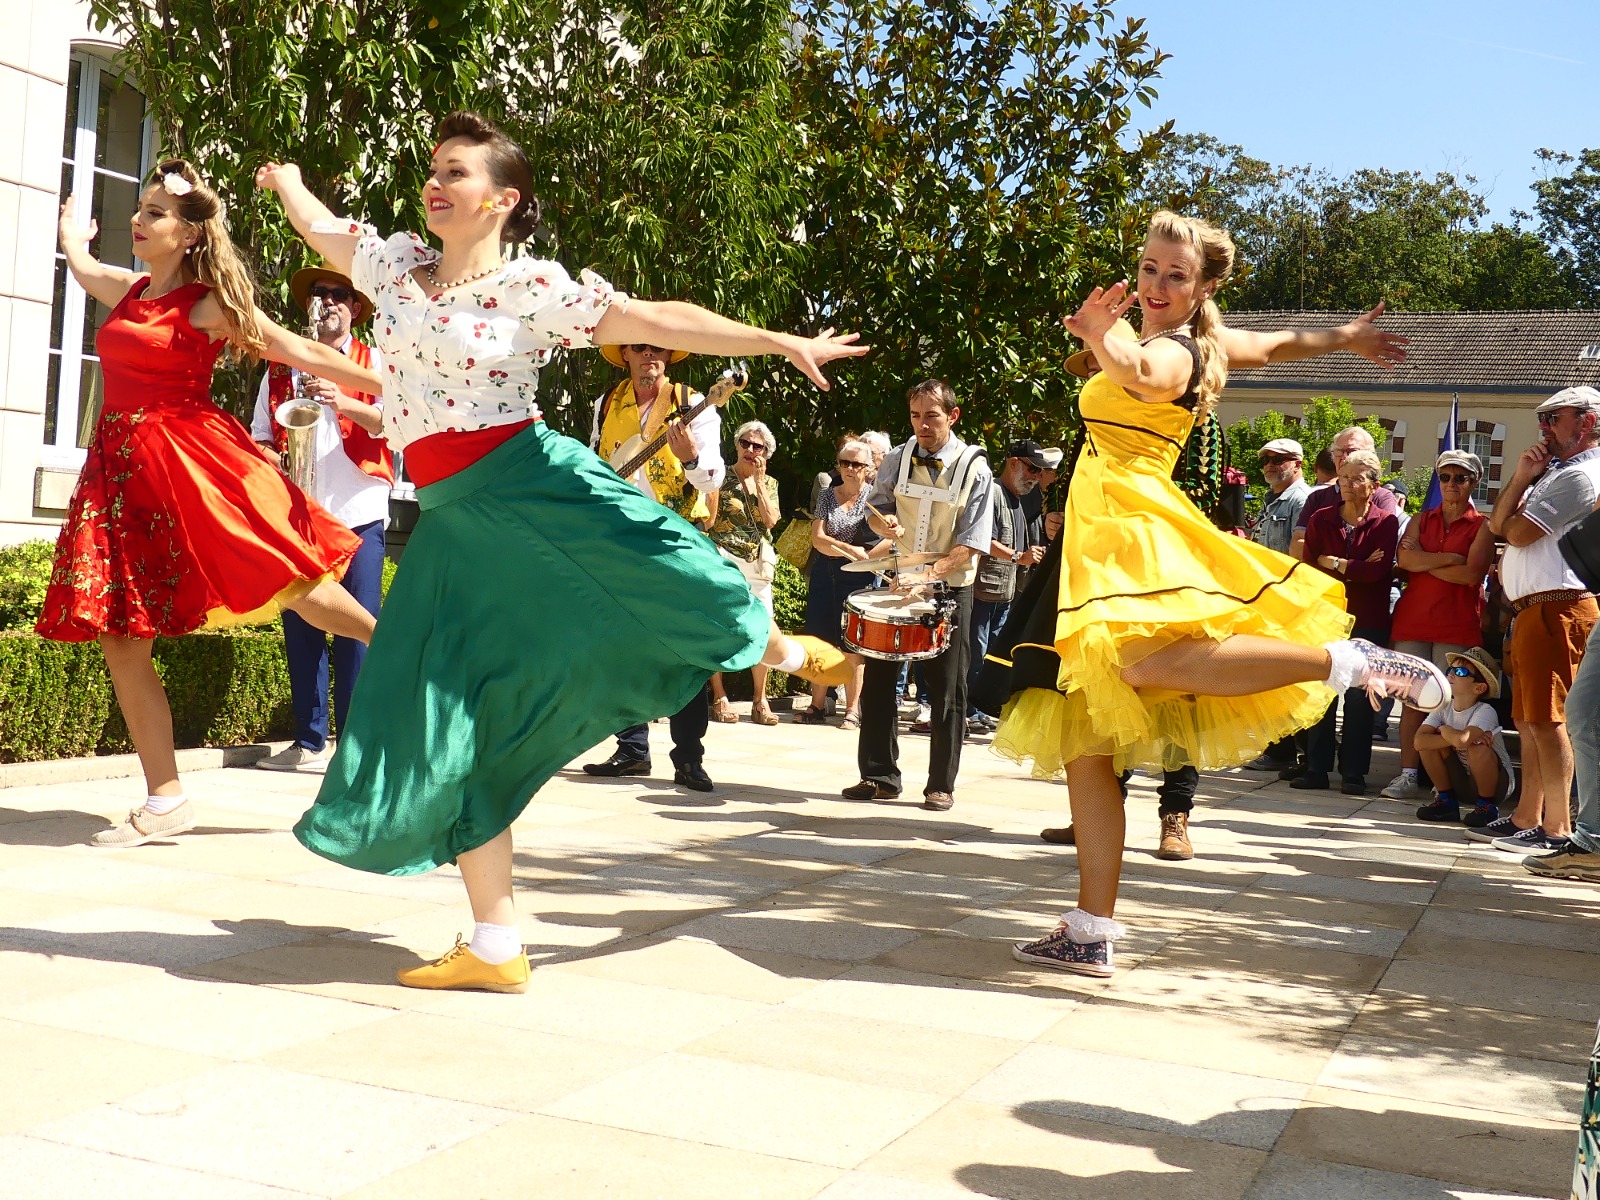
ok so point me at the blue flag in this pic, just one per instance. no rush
(1435, 497)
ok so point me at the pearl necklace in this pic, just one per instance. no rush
(444, 287)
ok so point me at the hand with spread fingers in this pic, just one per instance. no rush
(1377, 345)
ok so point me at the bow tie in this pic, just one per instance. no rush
(922, 456)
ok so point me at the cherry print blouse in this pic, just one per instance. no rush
(469, 360)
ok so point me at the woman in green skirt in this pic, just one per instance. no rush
(544, 602)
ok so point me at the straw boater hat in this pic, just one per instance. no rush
(1481, 661)
(301, 282)
(1082, 364)
(613, 355)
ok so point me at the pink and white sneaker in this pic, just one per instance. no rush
(1411, 680)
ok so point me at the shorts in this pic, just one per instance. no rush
(1434, 652)
(1547, 642)
(1465, 789)
(760, 588)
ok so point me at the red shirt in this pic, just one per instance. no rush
(1433, 609)
(1366, 584)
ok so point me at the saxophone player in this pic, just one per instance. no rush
(354, 472)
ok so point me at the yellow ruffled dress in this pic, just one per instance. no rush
(1141, 568)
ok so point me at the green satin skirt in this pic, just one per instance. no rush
(541, 605)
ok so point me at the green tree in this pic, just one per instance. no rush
(1568, 206)
(1320, 419)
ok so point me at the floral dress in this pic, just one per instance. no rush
(829, 584)
(542, 602)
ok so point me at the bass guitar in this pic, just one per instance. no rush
(627, 459)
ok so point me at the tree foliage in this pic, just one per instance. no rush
(1320, 419)
(1568, 207)
(1310, 240)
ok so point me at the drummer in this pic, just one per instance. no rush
(931, 496)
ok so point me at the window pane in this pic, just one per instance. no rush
(114, 203)
(119, 126)
(89, 398)
(69, 136)
(58, 303)
(52, 399)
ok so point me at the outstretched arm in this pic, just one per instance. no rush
(1157, 373)
(1250, 348)
(285, 347)
(106, 284)
(701, 331)
(304, 210)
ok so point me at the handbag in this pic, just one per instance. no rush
(794, 543)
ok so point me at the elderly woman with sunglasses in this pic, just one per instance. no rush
(839, 534)
(1446, 551)
(747, 509)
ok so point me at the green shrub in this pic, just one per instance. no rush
(389, 568)
(789, 597)
(24, 576)
(56, 701)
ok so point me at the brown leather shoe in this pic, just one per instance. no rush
(1175, 837)
(939, 801)
(1064, 836)
(867, 790)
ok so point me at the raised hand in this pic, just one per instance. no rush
(74, 236)
(273, 176)
(1366, 339)
(1097, 314)
(810, 355)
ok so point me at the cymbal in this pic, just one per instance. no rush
(890, 562)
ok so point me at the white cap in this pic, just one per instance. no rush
(1283, 446)
(1572, 397)
(1052, 458)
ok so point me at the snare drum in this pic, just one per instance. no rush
(895, 626)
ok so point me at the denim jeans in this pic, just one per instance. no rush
(988, 617)
(1583, 727)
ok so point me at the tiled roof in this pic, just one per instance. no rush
(1517, 351)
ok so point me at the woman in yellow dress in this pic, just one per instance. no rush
(1177, 643)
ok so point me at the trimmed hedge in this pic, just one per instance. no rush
(56, 701)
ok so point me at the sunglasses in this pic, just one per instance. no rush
(646, 348)
(338, 295)
(1452, 477)
(1464, 673)
(754, 447)
(850, 462)
(1031, 469)
(1550, 418)
(1277, 460)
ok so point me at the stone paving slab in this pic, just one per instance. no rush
(773, 993)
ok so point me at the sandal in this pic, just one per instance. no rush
(762, 715)
(852, 720)
(810, 716)
(722, 711)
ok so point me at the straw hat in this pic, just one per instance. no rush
(613, 355)
(302, 281)
(1481, 661)
(1083, 365)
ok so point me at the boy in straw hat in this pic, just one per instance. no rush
(1462, 747)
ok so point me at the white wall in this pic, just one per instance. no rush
(36, 39)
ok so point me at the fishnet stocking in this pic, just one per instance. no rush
(1237, 666)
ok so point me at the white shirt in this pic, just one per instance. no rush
(708, 473)
(1479, 716)
(470, 359)
(1563, 496)
(344, 489)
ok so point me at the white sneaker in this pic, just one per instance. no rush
(1409, 679)
(1405, 787)
(144, 826)
(298, 758)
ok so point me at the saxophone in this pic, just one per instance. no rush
(300, 417)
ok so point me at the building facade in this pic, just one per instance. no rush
(1500, 365)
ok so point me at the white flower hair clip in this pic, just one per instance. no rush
(175, 184)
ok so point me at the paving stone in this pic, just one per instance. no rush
(41, 1170)
(1286, 1177)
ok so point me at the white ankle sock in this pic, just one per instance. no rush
(1348, 662)
(496, 944)
(1410, 773)
(158, 806)
(794, 660)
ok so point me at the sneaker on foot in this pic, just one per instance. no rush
(462, 970)
(144, 826)
(298, 758)
(1481, 817)
(1059, 951)
(1567, 863)
(1439, 809)
(1529, 840)
(824, 664)
(1500, 827)
(1409, 679)
(1405, 787)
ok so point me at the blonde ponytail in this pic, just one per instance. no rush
(1215, 250)
(213, 259)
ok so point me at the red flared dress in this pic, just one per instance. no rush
(178, 523)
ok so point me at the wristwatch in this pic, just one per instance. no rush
(690, 464)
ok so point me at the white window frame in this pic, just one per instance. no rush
(65, 451)
(1468, 440)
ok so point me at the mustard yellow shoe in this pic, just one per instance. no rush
(824, 664)
(462, 970)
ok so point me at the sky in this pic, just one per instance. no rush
(1466, 87)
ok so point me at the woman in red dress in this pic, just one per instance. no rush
(178, 522)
